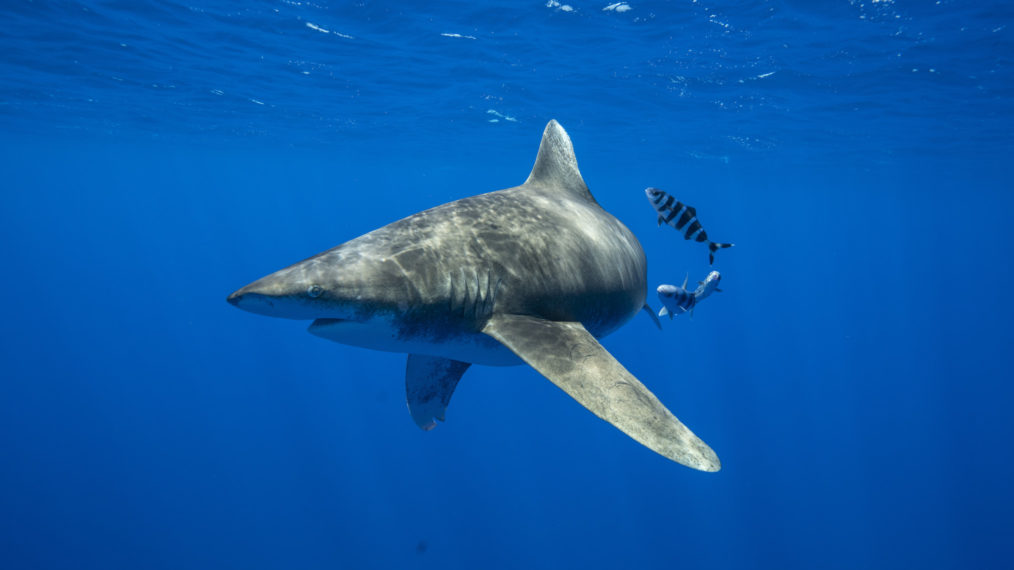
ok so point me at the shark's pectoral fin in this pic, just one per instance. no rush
(429, 383)
(570, 357)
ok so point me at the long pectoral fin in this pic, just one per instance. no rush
(570, 357)
(429, 383)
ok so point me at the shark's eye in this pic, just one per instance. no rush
(314, 291)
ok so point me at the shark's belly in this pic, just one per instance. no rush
(455, 343)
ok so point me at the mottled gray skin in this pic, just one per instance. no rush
(534, 273)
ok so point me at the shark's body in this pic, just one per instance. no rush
(533, 273)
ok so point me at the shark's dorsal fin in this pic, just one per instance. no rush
(556, 164)
(570, 357)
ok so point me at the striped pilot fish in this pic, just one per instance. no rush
(683, 218)
(677, 300)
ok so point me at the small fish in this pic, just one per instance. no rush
(708, 286)
(677, 300)
(679, 215)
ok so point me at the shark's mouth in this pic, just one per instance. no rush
(326, 328)
(324, 323)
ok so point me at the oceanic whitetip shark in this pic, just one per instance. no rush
(534, 273)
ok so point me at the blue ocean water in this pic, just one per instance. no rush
(854, 376)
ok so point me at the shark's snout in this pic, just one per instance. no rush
(245, 299)
(252, 301)
(292, 293)
(273, 296)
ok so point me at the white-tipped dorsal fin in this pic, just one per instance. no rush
(556, 164)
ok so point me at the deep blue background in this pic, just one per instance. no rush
(854, 377)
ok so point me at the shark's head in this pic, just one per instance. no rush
(292, 293)
(333, 285)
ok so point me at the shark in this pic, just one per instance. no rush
(533, 274)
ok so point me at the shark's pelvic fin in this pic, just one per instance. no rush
(556, 164)
(429, 383)
(570, 357)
